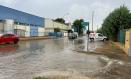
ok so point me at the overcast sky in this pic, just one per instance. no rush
(68, 9)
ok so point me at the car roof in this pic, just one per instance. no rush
(6, 33)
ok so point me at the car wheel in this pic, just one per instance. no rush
(104, 39)
(15, 41)
(7, 43)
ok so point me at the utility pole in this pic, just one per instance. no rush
(88, 37)
(93, 20)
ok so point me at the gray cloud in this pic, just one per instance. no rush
(76, 8)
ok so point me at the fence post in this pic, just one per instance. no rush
(129, 51)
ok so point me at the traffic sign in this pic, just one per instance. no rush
(84, 24)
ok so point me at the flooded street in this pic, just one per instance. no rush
(30, 58)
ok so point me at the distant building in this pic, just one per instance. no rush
(50, 25)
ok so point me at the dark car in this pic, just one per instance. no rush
(8, 38)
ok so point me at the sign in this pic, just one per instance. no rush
(84, 24)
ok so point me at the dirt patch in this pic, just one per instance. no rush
(110, 50)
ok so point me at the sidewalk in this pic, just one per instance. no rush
(33, 38)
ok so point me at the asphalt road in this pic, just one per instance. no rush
(30, 58)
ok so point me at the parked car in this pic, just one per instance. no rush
(97, 36)
(8, 38)
(73, 35)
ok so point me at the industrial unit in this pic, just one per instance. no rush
(20, 23)
(27, 25)
(51, 24)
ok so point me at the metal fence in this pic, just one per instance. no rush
(121, 36)
(56, 34)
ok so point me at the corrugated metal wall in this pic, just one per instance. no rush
(27, 34)
(41, 31)
(21, 17)
(129, 53)
(33, 31)
(25, 24)
(9, 26)
(121, 36)
(127, 41)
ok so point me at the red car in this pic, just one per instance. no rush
(8, 38)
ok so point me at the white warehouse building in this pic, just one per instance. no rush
(50, 25)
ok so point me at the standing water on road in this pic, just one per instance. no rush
(31, 58)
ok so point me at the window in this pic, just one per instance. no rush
(100, 35)
(10, 35)
(6, 35)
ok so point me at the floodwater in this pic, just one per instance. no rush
(31, 58)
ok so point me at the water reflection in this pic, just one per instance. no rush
(5, 49)
(31, 45)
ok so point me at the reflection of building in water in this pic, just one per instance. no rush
(36, 45)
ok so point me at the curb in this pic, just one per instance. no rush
(33, 38)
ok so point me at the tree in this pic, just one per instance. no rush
(99, 30)
(117, 20)
(61, 20)
(77, 25)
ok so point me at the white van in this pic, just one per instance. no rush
(97, 36)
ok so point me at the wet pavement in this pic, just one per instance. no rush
(31, 58)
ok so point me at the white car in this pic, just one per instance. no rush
(73, 35)
(97, 36)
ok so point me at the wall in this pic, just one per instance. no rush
(127, 41)
(33, 31)
(24, 28)
(41, 31)
(27, 34)
(61, 26)
(9, 26)
(1, 27)
(50, 25)
(121, 36)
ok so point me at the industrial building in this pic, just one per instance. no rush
(51, 24)
(26, 25)
(20, 23)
